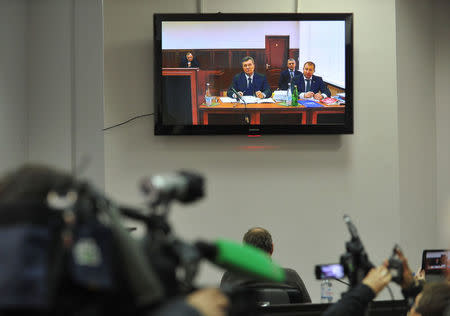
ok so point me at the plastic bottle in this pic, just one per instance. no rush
(289, 95)
(208, 98)
(326, 291)
(295, 96)
(323, 291)
(329, 292)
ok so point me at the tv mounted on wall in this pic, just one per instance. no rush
(203, 63)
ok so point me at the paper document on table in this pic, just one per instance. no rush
(268, 100)
(249, 99)
(280, 95)
(253, 99)
(227, 100)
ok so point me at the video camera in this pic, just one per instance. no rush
(355, 263)
(159, 266)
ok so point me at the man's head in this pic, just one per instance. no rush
(189, 56)
(308, 69)
(432, 301)
(248, 65)
(259, 238)
(291, 63)
(31, 183)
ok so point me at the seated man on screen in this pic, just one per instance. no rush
(309, 85)
(288, 75)
(249, 82)
(189, 61)
(261, 238)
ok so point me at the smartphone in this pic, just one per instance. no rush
(329, 271)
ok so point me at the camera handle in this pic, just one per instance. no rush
(355, 261)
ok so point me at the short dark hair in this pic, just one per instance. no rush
(247, 58)
(31, 183)
(310, 63)
(259, 238)
(435, 298)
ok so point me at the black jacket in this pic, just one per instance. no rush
(292, 279)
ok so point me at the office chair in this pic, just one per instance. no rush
(274, 294)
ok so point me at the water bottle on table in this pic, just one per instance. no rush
(289, 95)
(208, 97)
(326, 291)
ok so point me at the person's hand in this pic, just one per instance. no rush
(318, 96)
(259, 94)
(309, 94)
(420, 274)
(377, 278)
(209, 302)
(408, 278)
(241, 93)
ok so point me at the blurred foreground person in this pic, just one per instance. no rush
(66, 261)
(432, 301)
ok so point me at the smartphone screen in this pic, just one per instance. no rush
(330, 271)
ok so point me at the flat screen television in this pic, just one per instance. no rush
(229, 73)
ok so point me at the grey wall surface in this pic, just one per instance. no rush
(417, 127)
(300, 187)
(50, 56)
(13, 84)
(441, 30)
(65, 57)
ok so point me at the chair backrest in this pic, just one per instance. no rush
(265, 297)
(275, 294)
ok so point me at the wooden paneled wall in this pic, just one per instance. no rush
(229, 62)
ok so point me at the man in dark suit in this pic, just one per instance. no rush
(309, 85)
(189, 61)
(249, 82)
(288, 75)
(261, 238)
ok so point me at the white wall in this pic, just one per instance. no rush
(417, 128)
(441, 31)
(13, 84)
(223, 34)
(324, 44)
(301, 187)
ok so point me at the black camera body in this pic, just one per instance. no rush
(355, 263)
(395, 266)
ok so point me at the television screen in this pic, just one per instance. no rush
(253, 73)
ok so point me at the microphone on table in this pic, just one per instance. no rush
(239, 97)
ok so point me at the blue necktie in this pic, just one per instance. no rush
(250, 85)
(292, 75)
(308, 85)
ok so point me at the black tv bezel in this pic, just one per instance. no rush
(161, 129)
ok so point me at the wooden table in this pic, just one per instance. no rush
(255, 110)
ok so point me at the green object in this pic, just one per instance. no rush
(247, 260)
(212, 104)
(295, 96)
